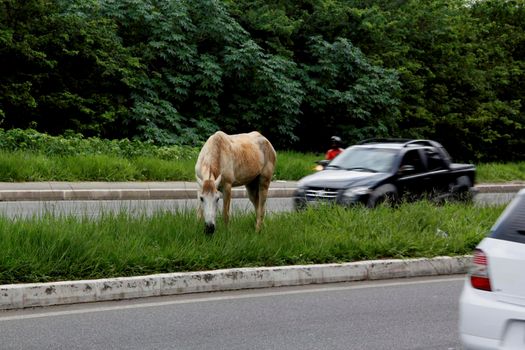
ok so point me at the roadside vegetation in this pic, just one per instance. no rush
(501, 172)
(27, 155)
(54, 247)
(173, 72)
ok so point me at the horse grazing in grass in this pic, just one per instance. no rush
(226, 161)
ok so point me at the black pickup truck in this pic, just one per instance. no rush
(392, 170)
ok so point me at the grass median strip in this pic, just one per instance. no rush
(54, 248)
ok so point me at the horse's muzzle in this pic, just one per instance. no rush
(209, 229)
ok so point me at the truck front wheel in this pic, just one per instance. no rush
(385, 194)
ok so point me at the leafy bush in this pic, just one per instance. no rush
(77, 145)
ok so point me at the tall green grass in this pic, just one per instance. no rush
(34, 166)
(294, 165)
(22, 166)
(27, 155)
(501, 172)
(52, 248)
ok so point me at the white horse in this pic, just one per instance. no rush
(226, 161)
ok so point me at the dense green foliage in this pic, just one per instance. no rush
(172, 72)
(51, 248)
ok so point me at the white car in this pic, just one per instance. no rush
(492, 303)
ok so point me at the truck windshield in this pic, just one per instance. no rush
(365, 159)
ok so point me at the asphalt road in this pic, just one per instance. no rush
(94, 208)
(393, 314)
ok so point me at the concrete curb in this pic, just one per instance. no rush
(146, 192)
(499, 188)
(120, 194)
(18, 296)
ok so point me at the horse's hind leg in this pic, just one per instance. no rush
(253, 193)
(257, 191)
(264, 185)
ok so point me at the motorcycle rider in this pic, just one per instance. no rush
(335, 149)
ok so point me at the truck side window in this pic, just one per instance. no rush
(435, 162)
(412, 158)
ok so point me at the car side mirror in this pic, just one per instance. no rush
(404, 169)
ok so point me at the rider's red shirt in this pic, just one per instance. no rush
(332, 153)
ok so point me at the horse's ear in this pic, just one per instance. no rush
(199, 181)
(218, 180)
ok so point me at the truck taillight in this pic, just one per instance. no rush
(479, 274)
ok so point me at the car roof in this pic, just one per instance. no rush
(403, 145)
(399, 143)
(381, 145)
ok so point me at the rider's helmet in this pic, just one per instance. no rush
(336, 140)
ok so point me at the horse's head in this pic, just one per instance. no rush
(209, 197)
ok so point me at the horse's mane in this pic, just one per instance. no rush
(217, 143)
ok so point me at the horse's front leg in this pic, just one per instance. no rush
(200, 213)
(226, 198)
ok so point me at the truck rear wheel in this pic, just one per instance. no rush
(462, 189)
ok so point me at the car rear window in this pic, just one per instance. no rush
(510, 226)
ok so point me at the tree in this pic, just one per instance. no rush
(458, 62)
(298, 71)
(201, 72)
(346, 94)
(60, 70)
(498, 123)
